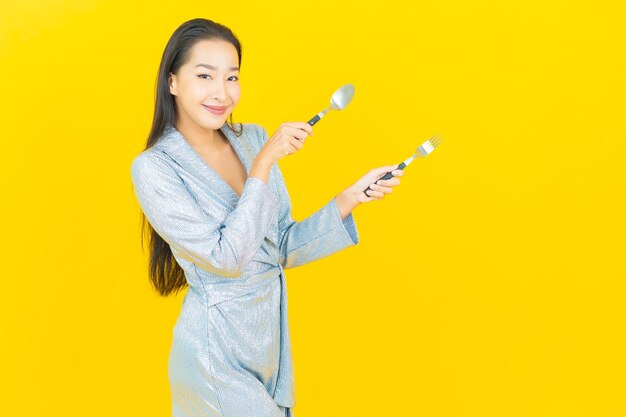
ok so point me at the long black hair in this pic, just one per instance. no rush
(165, 274)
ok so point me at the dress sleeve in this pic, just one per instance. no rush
(319, 235)
(221, 246)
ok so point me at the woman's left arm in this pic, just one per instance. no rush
(331, 228)
(321, 234)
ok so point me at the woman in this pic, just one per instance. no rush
(221, 226)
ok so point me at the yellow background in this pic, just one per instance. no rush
(489, 283)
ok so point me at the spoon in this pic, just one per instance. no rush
(340, 99)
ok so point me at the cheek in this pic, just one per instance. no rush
(199, 91)
(234, 91)
(194, 92)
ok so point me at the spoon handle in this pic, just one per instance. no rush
(314, 120)
(385, 177)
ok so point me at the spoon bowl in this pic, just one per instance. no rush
(339, 101)
(342, 97)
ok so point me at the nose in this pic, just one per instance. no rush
(219, 93)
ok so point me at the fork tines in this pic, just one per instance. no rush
(428, 146)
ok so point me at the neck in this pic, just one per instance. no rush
(201, 138)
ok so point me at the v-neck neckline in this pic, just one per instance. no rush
(238, 151)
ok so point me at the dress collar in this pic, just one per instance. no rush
(173, 143)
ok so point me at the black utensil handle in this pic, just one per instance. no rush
(314, 120)
(385, 177)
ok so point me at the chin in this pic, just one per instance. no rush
(214, 122)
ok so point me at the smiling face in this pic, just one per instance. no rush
(208, 81)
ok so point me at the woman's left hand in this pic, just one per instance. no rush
(352, 196)
(378, 189)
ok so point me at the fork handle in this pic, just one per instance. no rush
(385, 177)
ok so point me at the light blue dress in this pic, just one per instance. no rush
(231, 352)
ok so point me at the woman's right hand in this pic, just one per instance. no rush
(288, 139)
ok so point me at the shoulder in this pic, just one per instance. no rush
(150, 165)
(253, 136)
(146, 160)
(255, 132)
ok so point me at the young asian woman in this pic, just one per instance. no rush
(220, 224)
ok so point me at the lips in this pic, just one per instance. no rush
(216, 109)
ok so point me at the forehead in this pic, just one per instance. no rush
(214, 52)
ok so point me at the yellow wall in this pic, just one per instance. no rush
(489, 283)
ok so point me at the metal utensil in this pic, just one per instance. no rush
(340, 99)
(421, 152)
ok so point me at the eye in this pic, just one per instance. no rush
(202, 75)
(234, 76)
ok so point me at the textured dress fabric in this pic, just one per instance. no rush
(231, 351)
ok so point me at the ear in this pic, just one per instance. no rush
(172, 84)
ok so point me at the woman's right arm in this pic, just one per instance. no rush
(223, 247)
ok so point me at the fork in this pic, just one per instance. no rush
(421, 152)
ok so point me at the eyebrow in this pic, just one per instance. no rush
(214, 68)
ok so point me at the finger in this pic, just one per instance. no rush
(296, 143)
(371, 195)
(390, 182)
(291, 149)
(302, 126)
(307, 127)
(375, 191)
(298, 133)
(385, 169)
(398, 172)
(381, 188)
